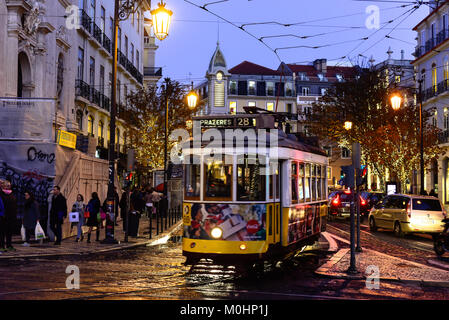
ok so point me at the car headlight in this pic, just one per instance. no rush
(216, 233)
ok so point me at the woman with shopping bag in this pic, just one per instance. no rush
(93, 207)
(79, 207)
(30, 217)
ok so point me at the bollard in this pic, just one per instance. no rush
(157, 219)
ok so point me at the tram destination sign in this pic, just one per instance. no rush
(240, 122)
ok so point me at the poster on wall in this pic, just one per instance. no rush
(237, 222)
(303, 221)
(22, 118)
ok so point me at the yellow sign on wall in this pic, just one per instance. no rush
(66, 139)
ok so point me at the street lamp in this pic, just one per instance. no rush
(348, 125)
(161, 21)
(192, 98)
(396, 104)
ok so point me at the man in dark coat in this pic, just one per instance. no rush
(8, 220)
(57, 213)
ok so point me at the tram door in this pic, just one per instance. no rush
(274, 212)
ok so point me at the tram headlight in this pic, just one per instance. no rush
(243, 246)
(216, 233)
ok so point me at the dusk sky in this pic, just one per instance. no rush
(194, 33)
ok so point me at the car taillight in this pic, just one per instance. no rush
(348, 191)
(336, 200)
(409, 210)
(362, 201)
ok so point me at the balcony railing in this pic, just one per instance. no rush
(123, 60)
(93, 95)
(107, 43)
(152, 72)
(442, 36)
(443, 137)
(433, 91)
(86, 21)
(97, 33)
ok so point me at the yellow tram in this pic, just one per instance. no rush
(244, 203)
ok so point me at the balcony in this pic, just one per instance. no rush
(86, 21)
(442, 36)
(82, 89)
(443, 137)
(97, 33)
(434, 91)
(152, 72)
(128, 66)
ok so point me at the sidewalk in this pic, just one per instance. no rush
(70, 247)
(390, 268)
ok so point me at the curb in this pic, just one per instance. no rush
(324, 271)
(333, 246)
(161, 238)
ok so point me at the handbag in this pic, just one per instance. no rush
(102, 214)
(86, 214)
(39, 232)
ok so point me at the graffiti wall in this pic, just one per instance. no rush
(29, 166)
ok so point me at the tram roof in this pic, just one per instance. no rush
(262, 121)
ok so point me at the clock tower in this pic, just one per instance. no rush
(217, 76)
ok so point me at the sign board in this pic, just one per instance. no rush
(66, 139)
(236, 122)
(27, 118)
(391, 187)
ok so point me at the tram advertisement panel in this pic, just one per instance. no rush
(303, 221)
(237, 222)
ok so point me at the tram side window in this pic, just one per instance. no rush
(192, 180)
(251, 179)
(313, 179)
(307, 182)
(274, 180)
(218, 178)
(301, 182)
(318, 182)
(294, 179)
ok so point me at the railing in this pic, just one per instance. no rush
(123, 60)
(107, 43)
(165, 218)
(97, 33)
(433, 91)
(443, 137)
(88, 92)
(152, 71)
(86, 21)
(442, 36)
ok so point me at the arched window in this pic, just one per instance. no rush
(446, 68)
(100, 129)
(23, 76)
(90, 126)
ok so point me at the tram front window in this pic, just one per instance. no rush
(192, 181)
(218, 180)
(251, 180)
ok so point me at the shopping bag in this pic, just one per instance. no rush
(22, 233)
(102, 214)
(39, 232)
(74, 216)
(86, 214)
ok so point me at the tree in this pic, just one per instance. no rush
(389, 139)
(146, 116)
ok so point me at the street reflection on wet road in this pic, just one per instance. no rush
(157, 272)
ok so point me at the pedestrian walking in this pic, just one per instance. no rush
(124, 208)
(79, 207)
(8, 220)
(30, 217)
(57, 213)
(93, 207)
(432, 193)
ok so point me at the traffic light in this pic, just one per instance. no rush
(363, 175)
(128, 180)
(347, 176)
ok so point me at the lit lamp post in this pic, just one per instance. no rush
(122, 10)
(161, 21)
(396, 101)
(355, 164)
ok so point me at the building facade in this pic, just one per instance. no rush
(432, 69)
(59, 52)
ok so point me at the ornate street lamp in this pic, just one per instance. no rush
(396, 100)
(348, 125)
(192, 98)
(161, 21)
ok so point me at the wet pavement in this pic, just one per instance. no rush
(157, 272)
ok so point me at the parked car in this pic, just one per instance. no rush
(340, 204)
(408, 214)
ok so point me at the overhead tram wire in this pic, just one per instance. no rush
(346, 56)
